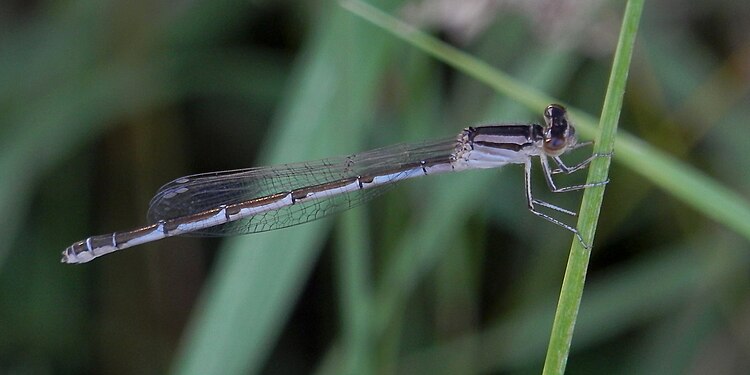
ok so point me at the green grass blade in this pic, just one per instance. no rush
(575, 273)
(355, 291)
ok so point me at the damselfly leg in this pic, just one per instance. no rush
(548, 172)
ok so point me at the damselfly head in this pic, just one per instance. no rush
(559, 134)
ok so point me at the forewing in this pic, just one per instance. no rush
(197, 193)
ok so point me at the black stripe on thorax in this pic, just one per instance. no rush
(507, 137)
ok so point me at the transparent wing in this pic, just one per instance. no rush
(197, 193)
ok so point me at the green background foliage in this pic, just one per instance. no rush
(101, 102)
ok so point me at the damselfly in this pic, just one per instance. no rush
(267, 198)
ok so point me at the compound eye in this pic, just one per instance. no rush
(554, 111)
